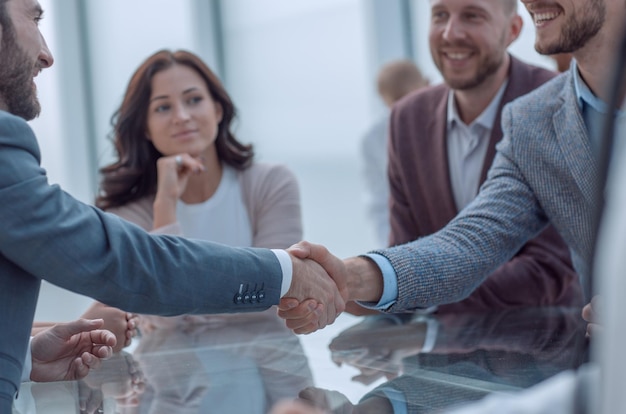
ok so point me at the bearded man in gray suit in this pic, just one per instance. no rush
(545, 172)
(47, 234)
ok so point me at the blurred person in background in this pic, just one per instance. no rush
(395, 80)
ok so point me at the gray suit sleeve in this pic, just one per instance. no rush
(447, 266)
(52, 236)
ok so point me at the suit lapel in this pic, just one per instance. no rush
(520, 83)
(573, 138)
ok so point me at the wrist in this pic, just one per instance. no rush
(164, 211)
(365, 280)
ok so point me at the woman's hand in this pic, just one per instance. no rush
(173, 174)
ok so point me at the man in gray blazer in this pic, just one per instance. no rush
(442, 142)
(47, 234)
(545, 171)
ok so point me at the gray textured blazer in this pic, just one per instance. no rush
(544, 172)
(47, 234)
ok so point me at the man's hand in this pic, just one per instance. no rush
(67, 351)
(591, 314)
(356, 278)
(314, 295)
(334, 266)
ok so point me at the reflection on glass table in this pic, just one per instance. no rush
(247, 363)
(470, 356)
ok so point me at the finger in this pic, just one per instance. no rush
(335, 307)
(103, 337)
(90, 361)
(66, 330)
(302, 310)
(102, 351)
(185, 162)
(132, 323)
(305, 324)
(340, 303)
(301, 250)
(79, 368)
(287, 304)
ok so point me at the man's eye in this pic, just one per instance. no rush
(439, 16)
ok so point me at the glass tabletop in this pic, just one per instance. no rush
(246, 363)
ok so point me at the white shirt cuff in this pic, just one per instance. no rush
(287, 267)
(28, 363)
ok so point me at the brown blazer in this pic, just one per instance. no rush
(421, 200)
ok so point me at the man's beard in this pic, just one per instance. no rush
(487, 67)
(577, 32)
(17, 88)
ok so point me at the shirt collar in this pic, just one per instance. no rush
(486, 119)
(583, 93)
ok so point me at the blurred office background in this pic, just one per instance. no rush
(301, 74)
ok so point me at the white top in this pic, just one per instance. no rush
(374, 155)
(223, 218)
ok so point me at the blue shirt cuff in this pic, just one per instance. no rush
(396, 399)
(390, 283)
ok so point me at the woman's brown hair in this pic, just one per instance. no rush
(134, 174)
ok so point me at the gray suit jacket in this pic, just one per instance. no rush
(544, 172)
(47, 234)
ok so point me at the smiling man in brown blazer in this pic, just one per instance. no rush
(442, 143)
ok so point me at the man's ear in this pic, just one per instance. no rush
(516, 28)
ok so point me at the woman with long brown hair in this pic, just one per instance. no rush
(180, 170)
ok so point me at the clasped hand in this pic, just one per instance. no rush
(318, 291)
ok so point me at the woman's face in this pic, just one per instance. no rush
(182, 115)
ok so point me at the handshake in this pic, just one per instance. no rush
(322, 284)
